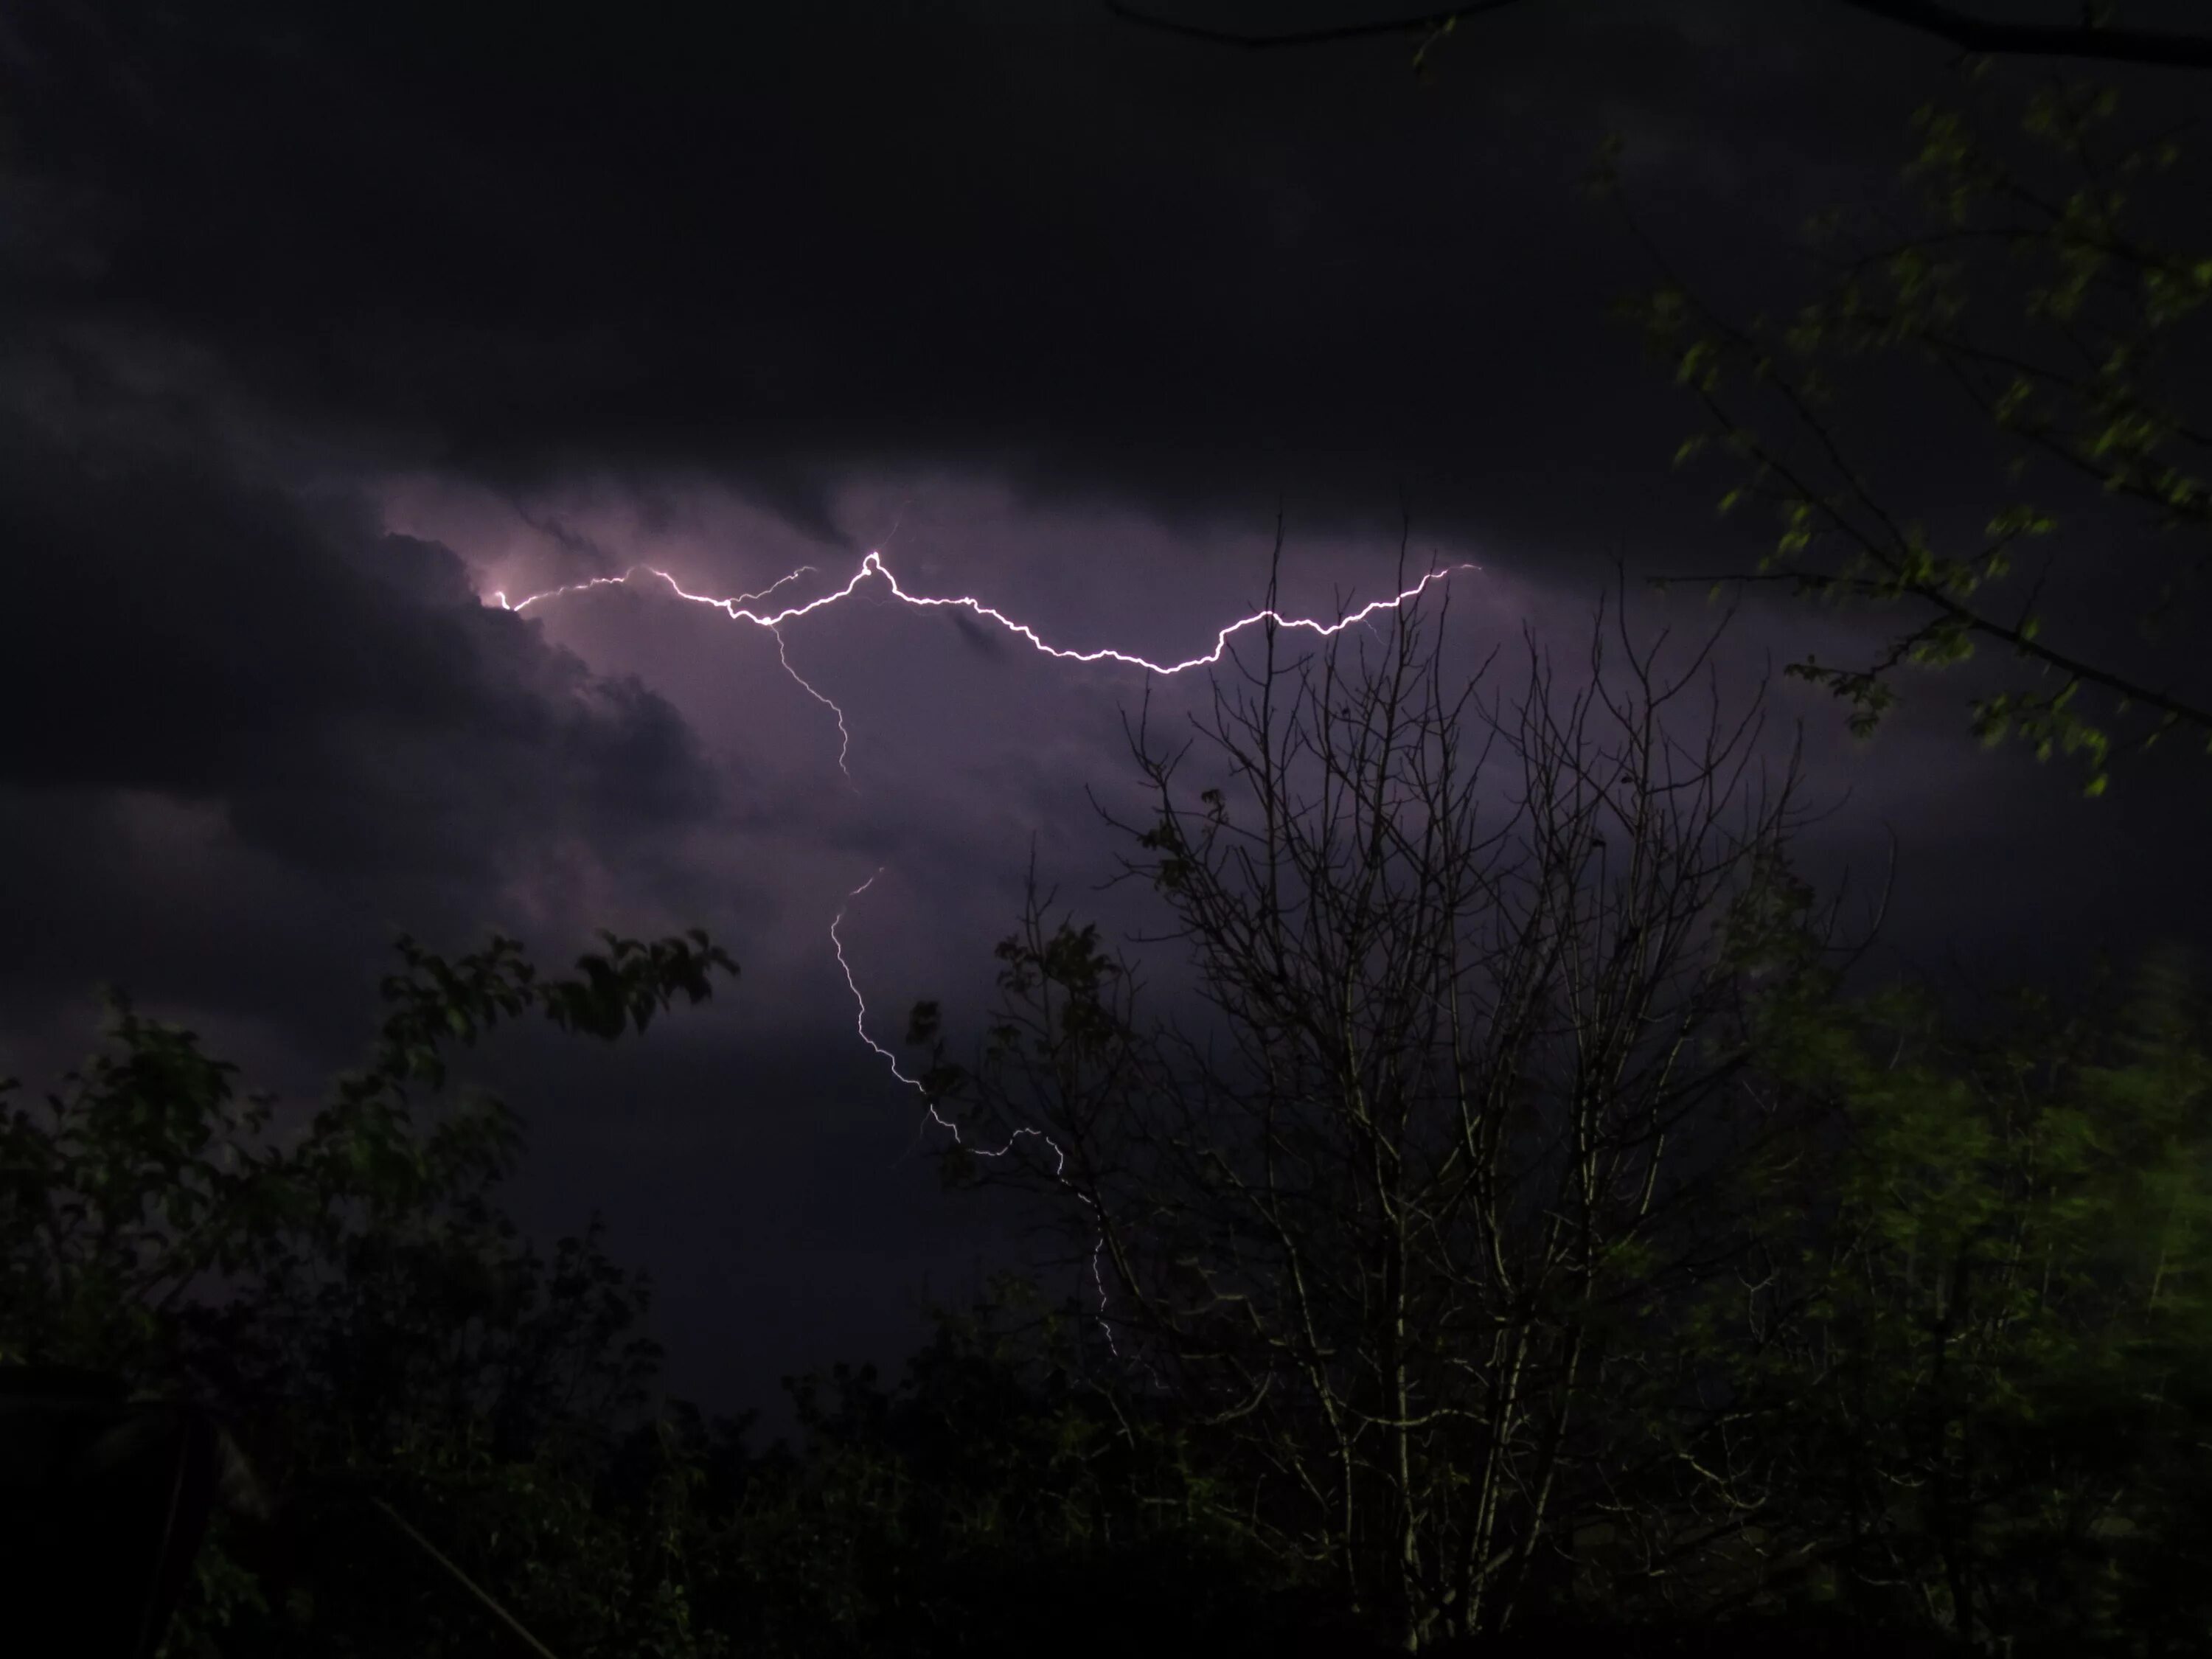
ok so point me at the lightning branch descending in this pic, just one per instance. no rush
(844, 737)
(734, 608)
(738, 609)
(1060, 1157)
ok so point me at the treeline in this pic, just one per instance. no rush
(1964, 1368)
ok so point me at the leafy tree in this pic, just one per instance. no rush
(454, 1430)
(2111, 296)
(347, 1294)
(1963, 1391)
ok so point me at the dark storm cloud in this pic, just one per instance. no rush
(779, 243)
(779, 240)
(248, 735)
(343, 693)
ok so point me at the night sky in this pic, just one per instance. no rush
(324, 324)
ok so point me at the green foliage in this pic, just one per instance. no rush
(407, 1373)
(2097, 415)
(345, 1290)
(1968, 1394)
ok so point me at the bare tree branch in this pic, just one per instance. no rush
(2089, 38)
(1428, 25)
(1969, 33)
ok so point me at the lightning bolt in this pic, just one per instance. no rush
(609, 581)
(738, 609)
(1060, 1157)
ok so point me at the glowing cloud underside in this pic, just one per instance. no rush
(740, 609)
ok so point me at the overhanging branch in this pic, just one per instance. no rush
(1962, 30)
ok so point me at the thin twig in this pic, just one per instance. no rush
(468, 1583)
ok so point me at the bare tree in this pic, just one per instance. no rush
(1398, 1214)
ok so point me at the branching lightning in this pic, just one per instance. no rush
(873, 565)
(738, 609)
